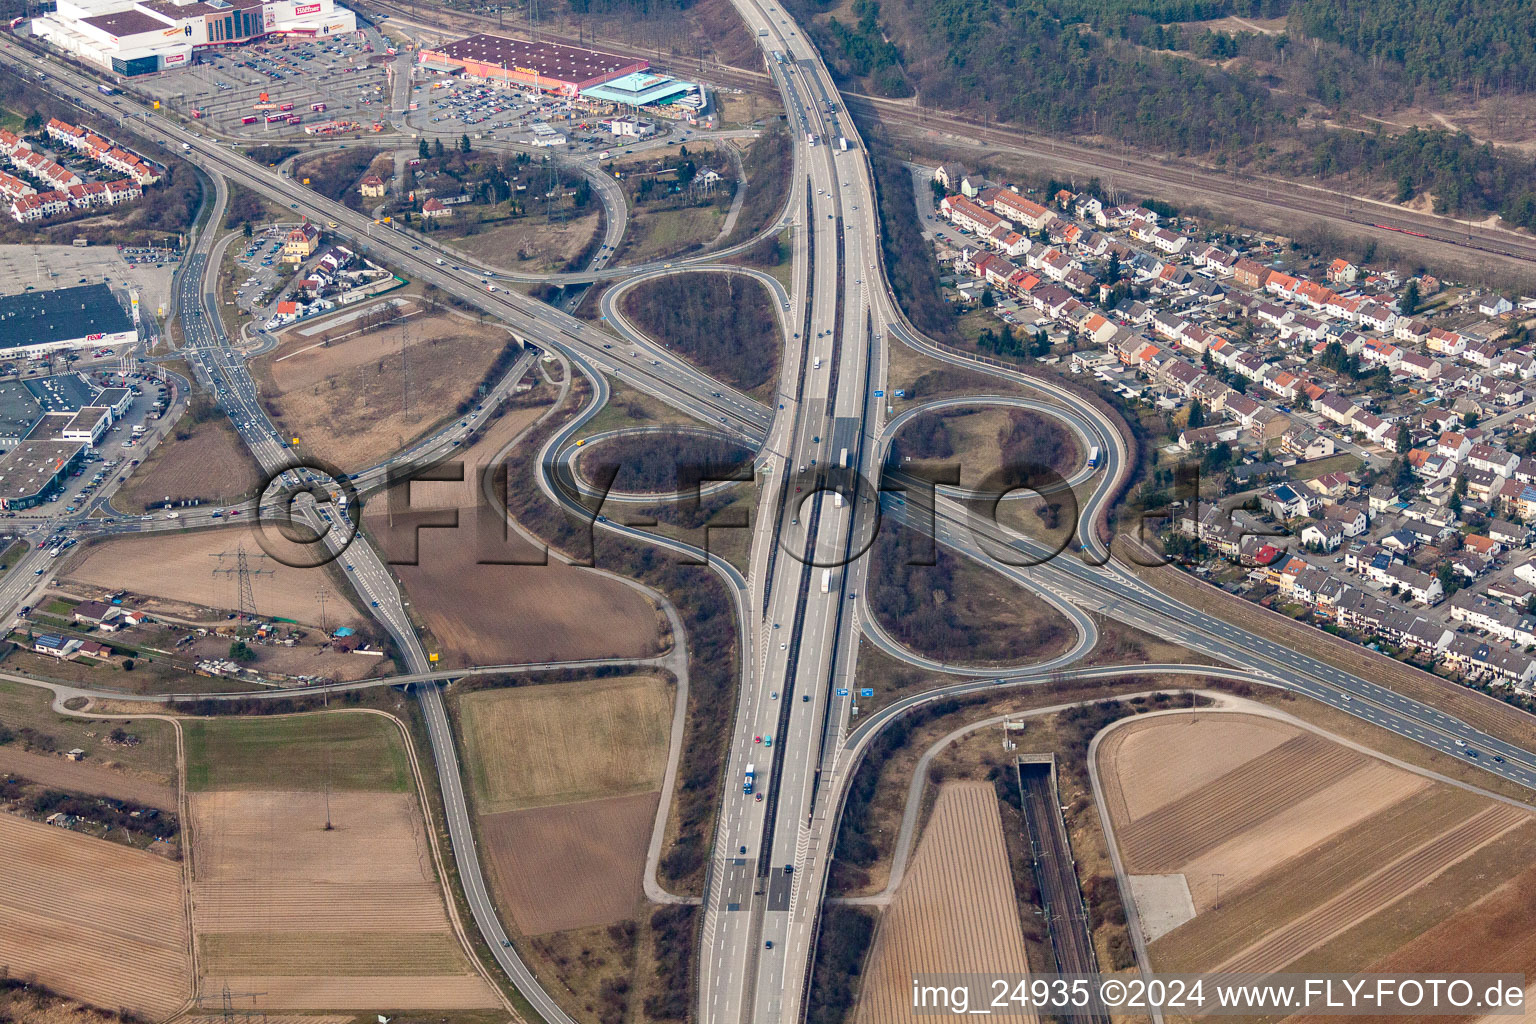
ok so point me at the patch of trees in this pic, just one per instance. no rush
(672, 939)
(840, 950)
(1438, 43)
(864, 50)
(665, 463)
(265, 155)
(336, 175)
(1465, 176)
(924, 437)
(908, 258)
(766, 166)
(37, 801)
(245, 207)
(1100, 67)
(857, 844)
(1007, 345)
(918, 590)
(723, 322)
(1029, 440)
(209, 707)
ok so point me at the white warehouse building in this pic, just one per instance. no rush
(137, 37)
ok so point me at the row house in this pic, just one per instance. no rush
(1345, 307)
(1270, 313)
(88, 196)
(1480, 659)
(1216, 258)
(1195, 338)
(12, 187)
(1445, 343)
(1515, 363)
(1378, 316)
(1482, 354)
(1249, 273)
(1492, 617)
(1279, 282)
(1420, 586)
(964, 213)
(28, 209)
(40, 168)
(1323, 535)
(1412, 329)
(1052, 264)
(1164, 240)
(1341, 271)
(1348, 516)
(1250, 365)
(1281, 383)
(1286, 502)
(1303, 328)
(1313, 294)
(1020, 210)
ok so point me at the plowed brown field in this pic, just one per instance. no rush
(363, 396)
(1380, 890)
(1307, 839)
(84, 777)
(179, 567)
(1493, 935)
(572, 865)
(93, 920)
(1235, 802)
(324, 919)
(953, 912)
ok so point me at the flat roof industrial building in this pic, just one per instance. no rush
(136, 37)
(644, 89)
(33, 323)
(32, 470)
(548, 67)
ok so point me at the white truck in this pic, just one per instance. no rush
(816, 363)
(837, 499)
(842, 459)
(826, 581)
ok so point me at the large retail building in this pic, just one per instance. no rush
(136, 37)
(546, 67)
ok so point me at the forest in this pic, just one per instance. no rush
(723, 322)
(665, 462)
(1108, 69)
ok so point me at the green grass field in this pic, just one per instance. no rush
(23, 706)
(356, 751)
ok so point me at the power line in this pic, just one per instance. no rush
(242, 572)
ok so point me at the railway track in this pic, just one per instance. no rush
(1285, 197)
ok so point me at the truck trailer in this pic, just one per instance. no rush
(826, 581)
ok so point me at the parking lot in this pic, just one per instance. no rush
(43, 267)
(259, 264)
(345, 73)
(445, 104)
